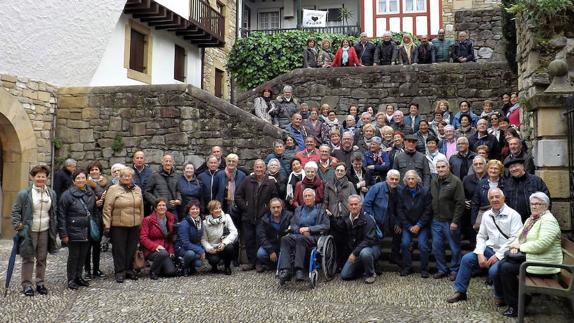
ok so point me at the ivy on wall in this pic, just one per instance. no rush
(549, 16)
(260, 57)
(509, 33)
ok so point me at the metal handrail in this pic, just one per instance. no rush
(353, 30)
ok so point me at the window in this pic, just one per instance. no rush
(414, 5)
(388, 6)
(179, 64)
(246, 20)
(137, 52)
(218, 91)
(269, 20)
(334, 14)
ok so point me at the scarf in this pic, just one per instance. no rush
(162, 224)
(196, 222)
(529, 224)
(291, 186)
(409, 49)
(345, 56)
(230, 184)
(512, 109)
(215, 221)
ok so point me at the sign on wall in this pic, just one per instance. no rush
(314, 18)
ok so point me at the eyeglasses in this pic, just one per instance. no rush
(536, 204)
(340, 170)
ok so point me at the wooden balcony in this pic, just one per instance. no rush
(205, 27)
(346, 30)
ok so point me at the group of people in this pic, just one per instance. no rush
(370, 176)
(387, 52)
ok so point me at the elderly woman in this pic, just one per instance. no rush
(415, 214)
(291, 148)
(263, 104)
(422, 135)
(466, 129)
(297, 175)
(364, 143)
(316, 127)
(75, 208)
(115, 170)
(346, 56)
(334, 139)
(99, 184)
(188, 243)
(407, 51)
(337, 191)
(275, 174)
(539, 239)
(479, 203)
(325, 56)
(308, 222)
(312, 181)
(443, 107)
(122, 215)
(380, 123)
(218, 237)
(190, 188)
(156, 239)
(34, 218)
(387, 134)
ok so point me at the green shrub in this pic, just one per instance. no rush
(549, 16)
(509, 33)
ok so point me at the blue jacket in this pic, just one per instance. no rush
(455, 122)
(189, 237)
(221, 180)
(210, 185)
(314, 219)
(377, 202)
(380, 169)
(140, 178)
(298, 135)
(190, 189)
(414, 210)
(480, 198)
(408, 122)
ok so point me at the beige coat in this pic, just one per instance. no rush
(123, 207)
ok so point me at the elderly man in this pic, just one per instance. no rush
(516, 151)
(520, 185)
(142, 173)
(470, 184)
(426, 52)
(377, 160)
(365, 50)
(399, 123)
(386, 51)
(252, 199)
(499, 226)
(350, 125)
(217, 152)
(163, 184)
(63, 177)
(443, 47)
(447, 146)
(362, 241)
(482, 137)
(410, 158)
(208, 181)
(462, 50)
(448, 207)
(228, 181)
(381, 202)
(310, 152)
(344, 153)
(296, 130)
(279, 154)
(326, 162)
(461, 162)
(272, 227)
(285, 106)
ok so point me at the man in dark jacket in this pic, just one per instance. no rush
(461, 162)
(520, 185)
(482, 137)
(252, 199)
(386, 51)
(363, 239)
(279, 153)
(218, 153)
(271, 228)
(448, 206)
(163, 183)
(63, 177)
(208, 180)
(344, 154)
(462, 50)
(285, 106)
(415, 214)
(410, 158)
(296, 130)
(517, 151)
(365, 50)
(142, 173)
(426, 52)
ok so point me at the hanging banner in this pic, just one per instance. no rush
(314, 18)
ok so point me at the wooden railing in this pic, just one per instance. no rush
(211, 21)
(347, 30)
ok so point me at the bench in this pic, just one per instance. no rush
(562, 285)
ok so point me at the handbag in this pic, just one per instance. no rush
(94, 227)
(515, 258)
(138, 261)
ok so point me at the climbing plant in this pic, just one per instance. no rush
(260, 57)
(549, 16)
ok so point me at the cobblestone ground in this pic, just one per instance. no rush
(252, 297)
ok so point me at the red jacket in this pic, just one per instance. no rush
(353, 58)
(316, 184)
(151, 236)
(306, 157)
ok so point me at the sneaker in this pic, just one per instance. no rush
(452, 276)
(28, 291)
(511, 312)
(439, 275)
(88, 276)
(457, 297)
(299, 275)
(425, 274)
(41, 290)
(98, 274)
(81, 282)
(370, 279)
(247, 267)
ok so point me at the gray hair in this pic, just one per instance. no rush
(398, 112)
(495, 189)
(278, 142)
(355, 197)
(348, 134)
(462, 139)
(387, 33)
(393, 172)
(448, 127)
(309, 190)
(117, 166)
(326, 146)
(287, 88)
(70, 162)
(412, 172)
(479, 157)
(541, 196)
(441, 160)
(276, 199)
(364, 114)
(311, 165)
(274, 160)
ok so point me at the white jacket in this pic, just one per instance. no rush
(213, 232)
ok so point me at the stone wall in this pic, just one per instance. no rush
(111, 123)
(450, 7)
(484, 28)
(397, 84)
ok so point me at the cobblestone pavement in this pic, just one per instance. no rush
(252, 297)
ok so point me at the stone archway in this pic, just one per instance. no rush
(19, 153)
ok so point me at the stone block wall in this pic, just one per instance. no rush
(449, 7)
(111, 123)
(484, 28)
(380, 85)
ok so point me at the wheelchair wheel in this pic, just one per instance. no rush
(326, 246)
(313, 278)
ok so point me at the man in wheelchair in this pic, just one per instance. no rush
(362, 241)
(307, 224)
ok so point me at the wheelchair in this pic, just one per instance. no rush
(322, 257)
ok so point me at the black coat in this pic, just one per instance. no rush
(164, 185)
(267, 237)
(359, 234)
(253, 199)
(426, 53)
(385, 53)
(517, 192)
(489, 141)
(73, 216)
(62, 181)
(367, 176)
(463, 49)
(309, 57)
(457, 162)
(366, 53)
(480, 198)
(414, 210)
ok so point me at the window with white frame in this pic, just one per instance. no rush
(387, 6)
(414, 5)
(269, 20)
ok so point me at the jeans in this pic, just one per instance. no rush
(440, 231)
(423, 248)
(263, 255)
(190, 257)
(364, 265)
(469, 264)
